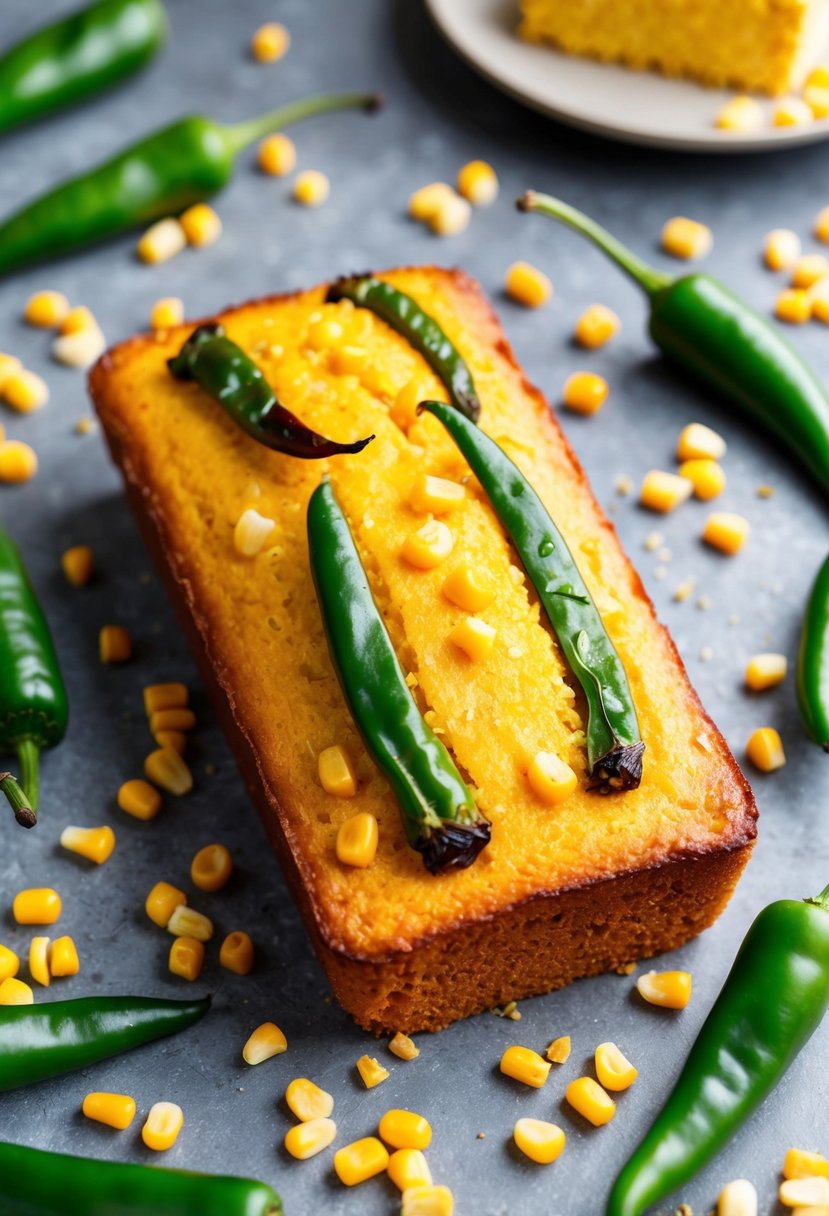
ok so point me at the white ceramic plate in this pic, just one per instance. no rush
(637, 107)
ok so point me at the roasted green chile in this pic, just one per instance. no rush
(231, 378)
(439, 813)
(704, 328)
(813, 661)
(614, 745)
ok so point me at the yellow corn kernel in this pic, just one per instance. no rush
(781, 249)
(77, 320)
(39, 961)
(37, 906)
(437, 495)
(309, 1138)
(25, 392)
(348, 360)
(408, 1167)
(403, 411)
(79, 350)
(819, 75)
(265, 1042)
(588, 1098)
(427, 1201)
(740, 114)
(162, 902)
(765, 750)
(162, 241)
(474, 637)
(817, 99)
(252, 532)
(812, 1192)
(699, 442)
(175, 739)
(451, 217)
(46, 309)
(15, 992)
(166, 313)
(809, 269)
(164, 1122)
(237, 953)
(559, 1050)
(469, 589)
(115, 1110)
(336, 772)
(793, 306)
(324, 334)
(311, 188)
(726, 531)
(478, 183)
(371, 1071)
(186, 958)
(527, 285)
(525, 1065)
(550, 779)
(10, 365)
(95, 844)
(307, 1101)
(277, 155)
(596, 326)
(270, 42)
(357, 840)
(664, 491)
(821, 231)
(405, 1129)
(403, 1047)
(585, 392)
(201, 225)
(765, 671)
(361, 1160)
(706, 476)
(114, 644)
(428, 199)
(211, 868)
(791, 112)
(377, 382)
(167, 769)
(158, 697)
(614, 1071)
(541, 1142)
(668, 989)
(737, 1198)
(187, 922)
(799, 1163)
(430, 545)
(139, 799)
(18, 461)
(63, 958)
(172, 719)
(688, 239)
(9, 964)
(78, 564)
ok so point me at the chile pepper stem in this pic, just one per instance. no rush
(24, 813)
(645, 276)
(821, 901)
(28, 755)
(242, 134)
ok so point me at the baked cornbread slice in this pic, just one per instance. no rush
(764, 45)
(560, 892)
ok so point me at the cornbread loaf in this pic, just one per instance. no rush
(560, 892)
(767, 45)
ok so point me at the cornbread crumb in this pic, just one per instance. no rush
(660, 573)
(665, 554)
(733, 619)
(683, 591)
(764, 491)
(85, 426)
(652, 541)
(704, 602)
(623, 485)
(626, 969)
(706, 654)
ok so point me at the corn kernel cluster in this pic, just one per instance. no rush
(447, 210)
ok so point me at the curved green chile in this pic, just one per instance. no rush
(159, 176)
(33, 703)
(773, 1000)
(37, 1183)
(614, 746)
(813, 661)
(708, 330)
(405, 315)
(85, 52)
(441, 819)
(230, 377)
(40, 1041)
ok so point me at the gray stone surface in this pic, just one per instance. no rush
(439, 115)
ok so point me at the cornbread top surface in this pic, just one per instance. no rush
(261, 628)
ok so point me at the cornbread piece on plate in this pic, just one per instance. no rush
(561, 891)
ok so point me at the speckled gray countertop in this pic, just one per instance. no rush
(438, 116)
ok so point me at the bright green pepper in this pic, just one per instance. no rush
(813, 661)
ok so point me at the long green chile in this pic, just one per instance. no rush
(813, 661)
(439, 813)
(614, 745)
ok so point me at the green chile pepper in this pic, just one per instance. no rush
(33, 703)
(813, 661)
(703, 327)
(773, 1000)
(614, 746)
(441, 819)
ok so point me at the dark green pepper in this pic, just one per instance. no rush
(441, 819)
(706, 329)
(772, 1002)
(78, 56)
(813, 661)
(33, 704)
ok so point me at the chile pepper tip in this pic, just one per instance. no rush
(620, 769)
(452, 845)
(525, 202)
(375, 102)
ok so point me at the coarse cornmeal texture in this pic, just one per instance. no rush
(561, 892)
(767, 45)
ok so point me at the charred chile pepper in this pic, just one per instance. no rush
(441, 819)
(85, 52)
(813, 661)
(33, 704)
(36, 1183)
(771, 1003)
(614, 746)
(703, 327)
(405, 315)
(159, 176)
(231, 377)
(39, 1041)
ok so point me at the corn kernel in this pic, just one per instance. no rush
(809, 269)
(162, 902)
(408, 1167)
(430, 545)
(664, 491)
(688, 239)
(201, 225)
(336, 772)
(115, 1110)
(765, 750)
(405, 1129)
(96, 844)
(614, 1071)
(781, 249)
(211, 868)
(451, 217)
(187, 922)
(550, 779)
(799, 1163)
(426, 201)
(311, 188)
(139, 799)
(706, 476)
(527, 285)
(37, 906)
(585, 392)
(821, 230)
(15, 992)
(25, 392)
(270, 42)
(765, 671)
(668, 989)
(740, 114)
(186, 958)
(307, 1101)
(264, 1043)
(371, 1071)
(469, 589)
(819, 298)
(10, 366)
(737, 1198)
(817, 99)
(725, 531)
(166, 313)
(164, 1122)
(357, 840)
(403, 411)
(162, 241)
(237, 953)
(435, 494)
(252, 532)
(427, 1201)
(525, 1065)
(39, 961)
(478, 183)
(175, 739)
(79, 350)
(596, 326)
(541, 1142)
(588, 1098)
(793, 306)
(403, 1047)
(114, 644)
(77, 320)
(474, 637)
(309, 1138)
(63, 958)
(791, 112)
(376, 381)
(9, 964)
(810, 1192)
(78, 564)
(277, 155)
(172, 719)
(158, 697)
(167, 769)
(348, 360)
(361, 1160)
(559, 1050)
(46, 309)
(18, 461)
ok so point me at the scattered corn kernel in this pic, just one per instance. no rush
(451, 217)
(18, 461)
(311, 188)
(166, 313)
(821, 231)
(377, 382)
(158, 697)
(794, 306)
(614, 1071)
(211, 868)
(706, 476)
(10, 365)
(799, 1163)
(408, 1167)
(96, 844)
(78, 564)
(808, 269)
(541, 1142)
(325, 333)
(336, 772)
(309, 1138)
(237, 953)
(115, 1110)
(791, 112)
(63, 958)
(525, 1065)
(527, 285)
(765, 750)
(15, 992)
(25, 392)
(585, 392)
(277, 155)
(307, 1101)
(664, 491)
(430, 545)
(596, 326)
(164, 1122)
(139, 799)
(46, 309)
(37, 906)
(172, 719)
(765, 671)
(403, 1047)
(39, 961)
(175, 739)
(361, 1160)
(79, 350)
(428, 199)
(688, 239)
(405, 1129)
(270, 42)
(588, 1098)
(469, 589)
(726, 531)
(166, 768)
(201, 225)
(114, 644)
(371, 1071)
(187, 922)
(740, 114)
(357, 840)
(810, 1192)
(819, 297)
(737, 1198)
(403, 412)
(265, 1042)
(550, 779)
(186, 958)
(162, 902)
(474, 637)
(348, 360)
(9, 964)
(781, 249)
(162, 241)
(478, 183)
(427, 1201)
(668, 989)
(77, 320)
(252, 532)
(817, 99)
(559, 1050)
(437, 495)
